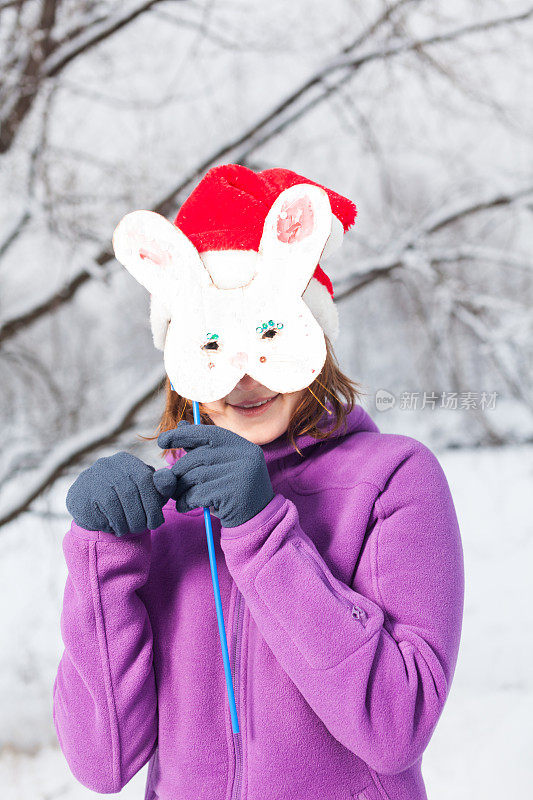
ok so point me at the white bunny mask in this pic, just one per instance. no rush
(249, 318)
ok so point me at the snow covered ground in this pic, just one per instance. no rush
(483, 743)
(482, 746)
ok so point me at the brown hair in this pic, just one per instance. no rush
(304, 419)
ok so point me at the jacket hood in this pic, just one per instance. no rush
(281, 449)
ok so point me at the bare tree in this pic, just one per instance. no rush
(37, 52)
(427, 250)
(328, 80)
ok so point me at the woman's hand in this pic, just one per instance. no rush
(116, 495)
(222, 470)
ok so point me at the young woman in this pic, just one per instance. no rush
(341, 575)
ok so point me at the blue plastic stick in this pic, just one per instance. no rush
(218, 602)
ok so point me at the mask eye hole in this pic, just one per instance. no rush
(212, 342)
(269, 334)
(267, 330)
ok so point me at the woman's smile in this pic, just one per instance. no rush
(254, 408)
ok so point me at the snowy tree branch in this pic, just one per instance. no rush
(313, 91)
(19, 493)
(440, 38)
(77, 42)
(380, 267)
(45, 58)
(468, 314)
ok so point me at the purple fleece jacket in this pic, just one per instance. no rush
(343, 603)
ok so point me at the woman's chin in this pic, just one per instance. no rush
(259, 428)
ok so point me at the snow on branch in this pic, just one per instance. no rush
(76, 43)
(468, 314)
(438, 38)
(313, 90)
(39, 55)
(20, 492)
(381, 266)
(492, 255)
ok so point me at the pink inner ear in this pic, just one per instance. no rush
(295, 221)
(150, 256)
(155, 255)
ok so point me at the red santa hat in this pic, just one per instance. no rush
(224, 217)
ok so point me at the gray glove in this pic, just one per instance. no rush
(116, 495)
(222, 470)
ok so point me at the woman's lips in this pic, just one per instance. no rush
(257, 411)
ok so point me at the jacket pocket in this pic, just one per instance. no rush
(369, 792)
(381, 794)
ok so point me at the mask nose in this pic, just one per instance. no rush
(239, 360)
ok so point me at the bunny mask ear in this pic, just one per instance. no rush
(295, 233)
(159, 255)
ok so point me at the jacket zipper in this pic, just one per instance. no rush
(237, 737)
(357, 612)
